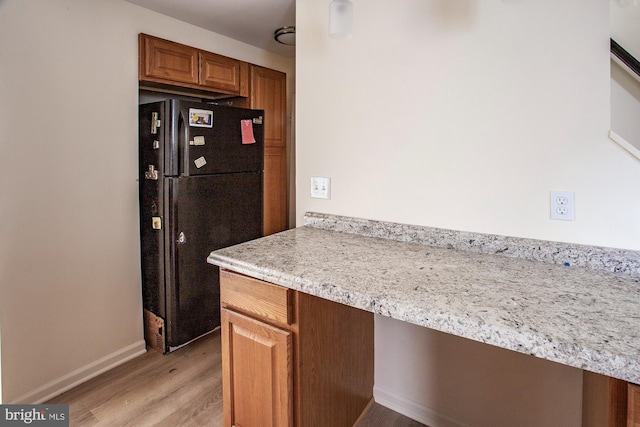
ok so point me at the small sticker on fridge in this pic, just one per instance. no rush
(200, 118)
(200, 162)
(198, 140)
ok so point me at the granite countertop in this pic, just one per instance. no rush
(582, 317)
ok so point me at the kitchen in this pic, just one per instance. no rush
(452, 114)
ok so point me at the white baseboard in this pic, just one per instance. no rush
(77, 377)
(414, 410)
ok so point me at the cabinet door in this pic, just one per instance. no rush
(224, 74)
(268, 92)
(164, 61)
(275, 190)
(257, 373)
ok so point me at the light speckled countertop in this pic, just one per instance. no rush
(582, 317)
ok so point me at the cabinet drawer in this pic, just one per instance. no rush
(256, 298)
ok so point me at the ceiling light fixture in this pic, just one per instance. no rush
(340, 19)
(285, 35)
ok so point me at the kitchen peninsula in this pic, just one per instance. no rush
(571, 304)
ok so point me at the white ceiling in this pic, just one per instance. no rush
(254, 21)
(250, 21)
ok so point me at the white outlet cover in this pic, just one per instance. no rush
(563, 205)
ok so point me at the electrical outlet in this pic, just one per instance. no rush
(563, 205)
(320, 187)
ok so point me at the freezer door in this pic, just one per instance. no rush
(215, 145)
(206, 213)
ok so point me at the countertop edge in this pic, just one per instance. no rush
(581, 357)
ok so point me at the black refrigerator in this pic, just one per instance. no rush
(200, 187)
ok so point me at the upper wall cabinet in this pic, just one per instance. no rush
(223, 73)
(164, 62)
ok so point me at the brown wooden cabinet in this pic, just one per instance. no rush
(256, 362)
(163, 62)
(167, 62)
(609, 402)
(267, 89)
(633, 409)
(223, 74)
(292, 359)
(275, 190)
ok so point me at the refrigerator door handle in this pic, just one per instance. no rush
(155, 122)
(184, 145)
(182, 239)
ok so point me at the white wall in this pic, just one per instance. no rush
(70, 298)
(464, 114)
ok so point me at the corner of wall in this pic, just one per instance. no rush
(81, 375)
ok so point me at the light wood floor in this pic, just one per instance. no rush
(183, 388)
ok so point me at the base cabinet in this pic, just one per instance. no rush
(609, 402)
(633, 409)
(292, 359)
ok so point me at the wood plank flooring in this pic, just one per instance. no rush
(183, 388)
(379, 416)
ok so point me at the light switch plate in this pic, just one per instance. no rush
(320, 187)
